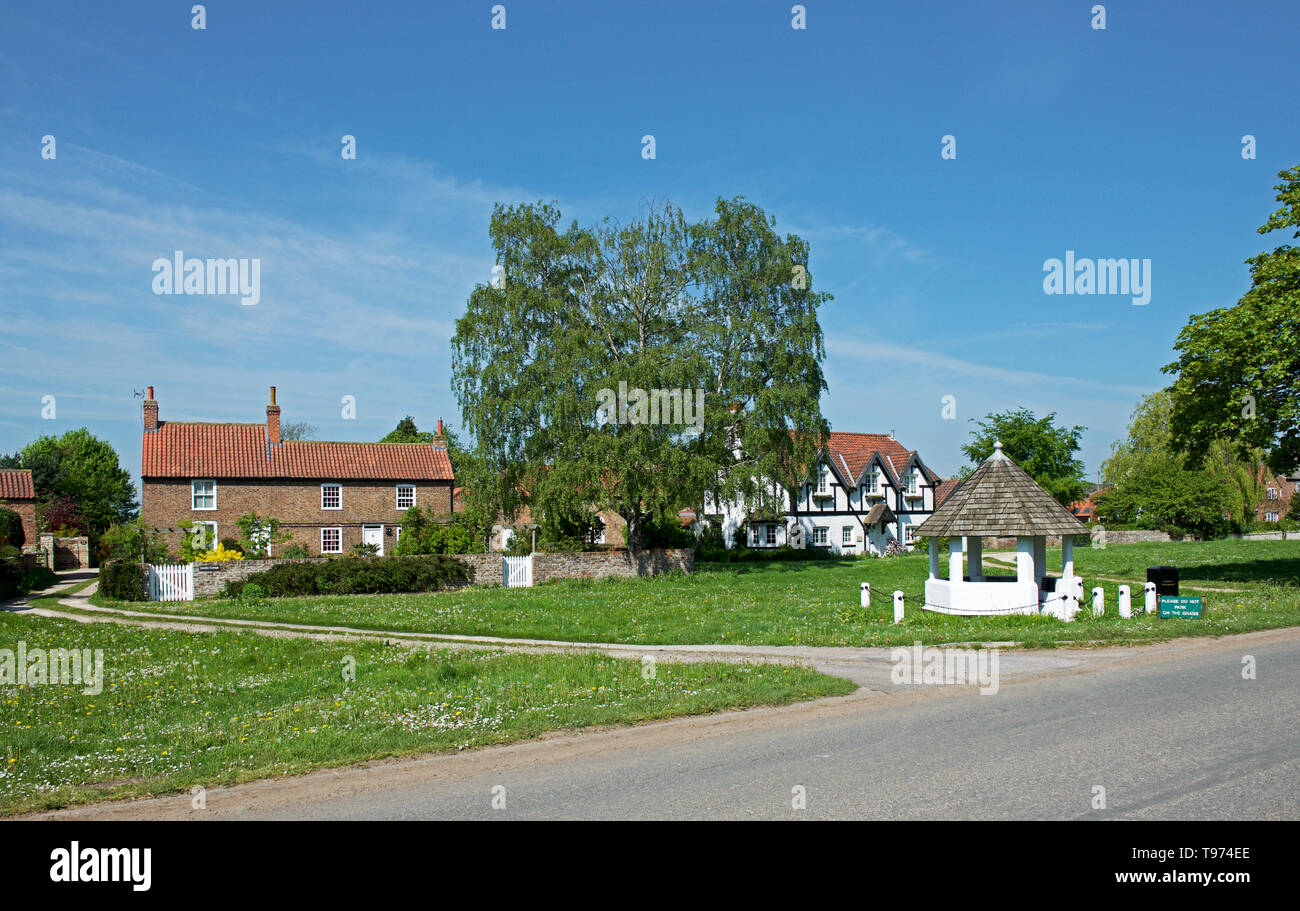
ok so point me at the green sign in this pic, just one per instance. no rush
(1179, 606)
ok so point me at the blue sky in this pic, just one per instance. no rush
(225, 143)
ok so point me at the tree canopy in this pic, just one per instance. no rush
(1238, 367)
(1047, 453)
(721, 309)
(1149, 448)
(78, 468)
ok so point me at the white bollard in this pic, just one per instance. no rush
(898, 607)
(866, 594)
(1098, 601)
(1125, 602)
(1151, 600)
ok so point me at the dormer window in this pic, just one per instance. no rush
(872, 482)
(913, 483)
(823, 487)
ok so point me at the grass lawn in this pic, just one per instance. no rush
(184, 709)
(815, 603)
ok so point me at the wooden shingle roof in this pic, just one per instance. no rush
(999, 498)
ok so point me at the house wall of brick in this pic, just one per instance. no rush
(165, 503)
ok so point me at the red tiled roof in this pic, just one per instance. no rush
(852, 451)
(945, 488)
(183, 450)
(16, 484)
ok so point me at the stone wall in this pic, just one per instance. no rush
(210, 577)
(67, 553)
(620, 563)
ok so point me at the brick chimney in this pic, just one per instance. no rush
(273, 421)
(150, 413)
(439, 439)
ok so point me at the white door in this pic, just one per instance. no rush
(373, 534)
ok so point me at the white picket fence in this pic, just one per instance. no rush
(517, 572)
(172, 582)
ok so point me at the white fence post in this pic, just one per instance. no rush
(898, 607)
(1125, 602)
(1151, 599)
(866, 594)
(1098, 601)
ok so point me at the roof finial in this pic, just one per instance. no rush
(997, 447)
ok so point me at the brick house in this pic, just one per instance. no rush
(1279, 489)
(18, 494)
(329, 496)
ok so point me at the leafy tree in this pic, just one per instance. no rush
(85, 470)
(407, 432)
(723, 305)
(258, 534)
(298, 430)
(63, 517)
(1149, 444)
(1159, 496)
(1238, 368)
(1046, 452)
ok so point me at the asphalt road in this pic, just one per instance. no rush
(1169, 731)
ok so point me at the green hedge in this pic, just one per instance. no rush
(120, 580)
(16, 581)
(354, 575)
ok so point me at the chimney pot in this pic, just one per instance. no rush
(272, 395)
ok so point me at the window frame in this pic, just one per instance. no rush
(397, 498)
(1273, 514)
(334, 528)
(823, 482)
(769, 535)
(339, 488)
(846, 536)
(824, 533)
(909, 534)
(194, 494)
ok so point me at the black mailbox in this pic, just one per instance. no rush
(1165, 578)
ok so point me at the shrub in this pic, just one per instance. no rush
(16, 581)
(120, 580)
(132, 541)
(423, 532)
(220, 554)
(295, 552)
(252, 595)
(354, 576)
(11, 528)
(233, 544)
(362, 549)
